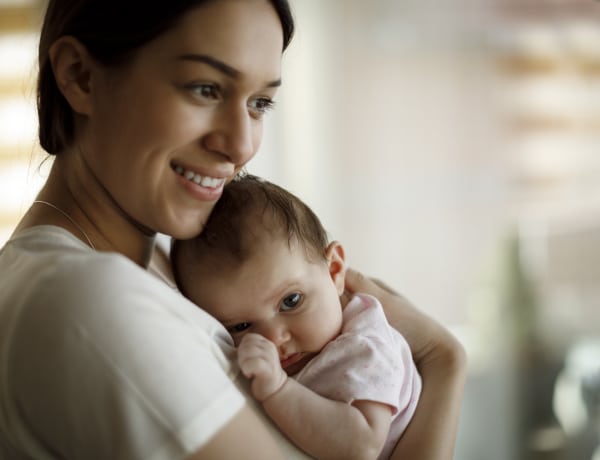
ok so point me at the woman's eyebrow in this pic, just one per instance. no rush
(219, 65)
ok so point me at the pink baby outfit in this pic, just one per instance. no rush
(369, 360)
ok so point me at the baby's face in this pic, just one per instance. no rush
(278, 293)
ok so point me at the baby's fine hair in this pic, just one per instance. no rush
(250, 210)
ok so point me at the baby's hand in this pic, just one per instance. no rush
(259, 360)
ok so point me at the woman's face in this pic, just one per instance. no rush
(185, 115)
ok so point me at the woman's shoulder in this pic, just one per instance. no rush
(47, 272)
(56, 260)
(86, 333)
(65, 303)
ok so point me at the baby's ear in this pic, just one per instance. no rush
(72, 66)
(336, 260)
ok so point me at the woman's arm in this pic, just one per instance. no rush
(441, 361)
(244, 437)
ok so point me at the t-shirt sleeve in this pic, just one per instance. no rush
(121, 368)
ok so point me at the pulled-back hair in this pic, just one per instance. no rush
(111, 30)
(250, 210)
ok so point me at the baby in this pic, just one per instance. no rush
(326, 366)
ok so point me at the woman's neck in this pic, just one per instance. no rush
(87, 211)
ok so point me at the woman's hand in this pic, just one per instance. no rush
(441, 361)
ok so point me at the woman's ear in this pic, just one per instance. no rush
(336, 261)
(71, 64)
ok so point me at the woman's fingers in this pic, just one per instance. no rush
(419, 330)
(357, 282)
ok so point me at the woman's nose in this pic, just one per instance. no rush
(235, 135)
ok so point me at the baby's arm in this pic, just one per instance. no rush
(322, 427)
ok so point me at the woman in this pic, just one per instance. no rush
(149, 108)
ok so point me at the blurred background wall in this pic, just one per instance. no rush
(454, 148)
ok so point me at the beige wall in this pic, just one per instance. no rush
(424, 136)
(19, 155)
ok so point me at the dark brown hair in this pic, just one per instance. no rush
(250, 208)
(111, 30)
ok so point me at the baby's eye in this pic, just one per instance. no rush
(290, 302)
(237, 328)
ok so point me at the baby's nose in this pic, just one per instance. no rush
(277, 333)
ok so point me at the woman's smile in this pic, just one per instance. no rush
(201, 187)
(204, 181)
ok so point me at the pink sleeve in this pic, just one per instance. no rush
(369, 361)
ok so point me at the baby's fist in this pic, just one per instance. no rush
(259, 360)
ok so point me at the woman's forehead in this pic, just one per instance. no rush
(243, 37)
(241, 33)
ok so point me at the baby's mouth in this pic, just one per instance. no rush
(295, 362)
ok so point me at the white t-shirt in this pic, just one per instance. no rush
(101, 360)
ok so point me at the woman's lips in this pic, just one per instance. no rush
(204, 181)
(202, 188)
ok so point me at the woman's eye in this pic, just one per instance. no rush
(205, 91)
(261, 106)
(236, 329)
(291, 301)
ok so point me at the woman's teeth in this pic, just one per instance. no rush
(204, 181)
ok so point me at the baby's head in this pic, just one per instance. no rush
(251, 213)
(263, 264)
